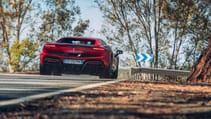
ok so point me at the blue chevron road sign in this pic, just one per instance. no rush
(144, 57)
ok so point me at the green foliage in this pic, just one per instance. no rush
(15, 51)
(28, 48)
(22, 52)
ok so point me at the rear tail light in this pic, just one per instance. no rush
(50, 45)
(101, 49)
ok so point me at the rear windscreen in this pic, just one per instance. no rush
(77, 41)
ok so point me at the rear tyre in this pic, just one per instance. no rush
(107, 73)
(43, 70)
(114, 74)
(50, 70)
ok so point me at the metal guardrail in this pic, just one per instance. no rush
(137, 73)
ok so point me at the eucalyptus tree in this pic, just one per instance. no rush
(13, 17)
(189, 23)
(199, 28)
(60, 18)
(134, 24)
(175, 31)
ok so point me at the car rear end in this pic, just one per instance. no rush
(75, 55)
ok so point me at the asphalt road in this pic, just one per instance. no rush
(14, 86)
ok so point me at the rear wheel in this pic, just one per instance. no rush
(115, 70)
(43, 70)
(50, 69)
(108, 73)
(114, 74)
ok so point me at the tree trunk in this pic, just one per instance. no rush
(202, 69)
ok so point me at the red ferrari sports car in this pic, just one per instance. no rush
(79, 55)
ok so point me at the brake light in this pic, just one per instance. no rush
(97, 43)
(101, 49)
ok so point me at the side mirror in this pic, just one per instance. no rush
(118, 52)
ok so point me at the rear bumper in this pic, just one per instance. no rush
(93, 66)
(89, 67)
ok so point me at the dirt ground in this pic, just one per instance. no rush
(126, 100)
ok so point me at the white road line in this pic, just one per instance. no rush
(6, 74)
(18, 89)
(44, 83)
(66, 76)
(44, 95)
